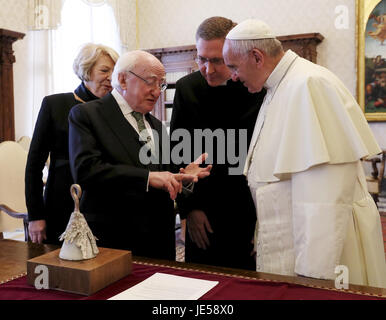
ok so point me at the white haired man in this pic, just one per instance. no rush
(127, 202)
(303, 165)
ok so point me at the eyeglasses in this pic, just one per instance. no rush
(216, 61)
(153, 82)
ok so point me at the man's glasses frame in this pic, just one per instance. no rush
(162, 86)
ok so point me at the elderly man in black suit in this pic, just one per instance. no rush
(220, 214)
(127, 202)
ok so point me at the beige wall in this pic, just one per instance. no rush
(164, 23)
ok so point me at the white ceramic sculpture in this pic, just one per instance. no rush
(78, 241)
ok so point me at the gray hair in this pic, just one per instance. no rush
(127, 62)
(88, 55)
(272, 47)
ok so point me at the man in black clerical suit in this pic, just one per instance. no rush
(127, 203)
(220, 214)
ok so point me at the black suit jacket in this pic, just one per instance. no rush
(225, 199)
(50, 137)
(104, 158)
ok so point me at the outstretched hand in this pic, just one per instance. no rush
(194, 168)
(170, 182)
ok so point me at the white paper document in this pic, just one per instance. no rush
(162, 286)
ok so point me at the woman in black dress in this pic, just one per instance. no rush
(49, 212)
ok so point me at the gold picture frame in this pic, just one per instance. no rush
(363, 10)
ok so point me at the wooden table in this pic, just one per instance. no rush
(14, 254)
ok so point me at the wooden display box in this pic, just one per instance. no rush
(83, 277)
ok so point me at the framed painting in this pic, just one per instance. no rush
(371, 55)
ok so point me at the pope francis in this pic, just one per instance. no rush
(314, 212)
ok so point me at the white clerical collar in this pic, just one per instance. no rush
(280, 70)
(125, 108)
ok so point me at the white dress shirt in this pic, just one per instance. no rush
(127, 110)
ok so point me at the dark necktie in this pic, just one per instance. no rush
(143, 132)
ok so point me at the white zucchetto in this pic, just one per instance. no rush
(250, 29)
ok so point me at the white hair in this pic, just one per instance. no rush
(88, 55)
(272, 47)
(127, 62)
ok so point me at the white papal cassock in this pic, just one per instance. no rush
(303, 168)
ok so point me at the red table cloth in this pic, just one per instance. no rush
(229, 288)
